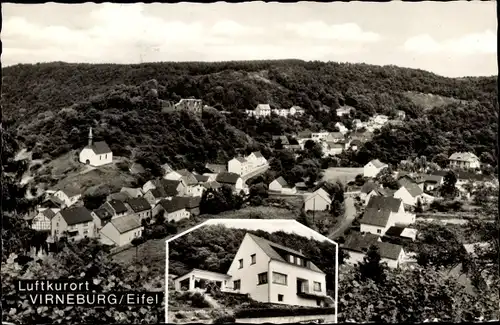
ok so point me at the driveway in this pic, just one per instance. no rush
(350, 215)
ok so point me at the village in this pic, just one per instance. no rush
(385, 214)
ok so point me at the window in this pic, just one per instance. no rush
(237, 285)
(262, 278)
(279, 278)
(318, 302)
(280, 297)
(379, 231)
(253, 258)
(85, 232)
(317, 286)
(241, 263)
(291, 259)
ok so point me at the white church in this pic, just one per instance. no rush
(96, 154)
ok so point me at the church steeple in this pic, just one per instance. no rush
(90, 137)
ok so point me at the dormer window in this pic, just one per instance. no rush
(291, 259)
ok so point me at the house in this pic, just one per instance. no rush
(202, 178)
(171, 187)
(118, 196)
(431, 182)
(96, 154)
(216, 168)
(101, 217)
(192, 188)
(231, 179)
(344, 110)
(319, 200)
(354, 145)
(172, 210)
(358, 124)
(419, 179)
(319, 136)
(42, 221)
(409, 193)
(197, 279)
(296, 110)
(74, 222)
(140, 206)
(342, 128)
(154, 195)
(190, 104)
(380, 119)
(335, 137)
(357, 245)
(281, 112)
(399, 235)
(211, 185)
(373, 168)
(238, 165)
(211, 176)
(364, 136)
(281, 139)
(280, 185)
(116, 207)
(379, 191)
(333, 148)
(260, 111)
(383, 212)
(52, 202)
(121, 231)
(269, 273)
(256, 159)
(166, 168)
(132, 192)
(68, 196)
(368, 187)
(464, 160)
(192, 204)
(293, 144)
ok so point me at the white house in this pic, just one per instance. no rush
(173, 210)
(335, 137)
(464, 160)
(260, 111)
(342, 128)
(380, 119)
(344, 110)
(409, 193)
(357, 245)
(373, 168)
(269, 273)
(75, 222)
(332, 148)
(196, 280)
(140, 207)
(96, 154)
(238, 165)
(280, 185)
(68, 196)
(296, 110)
(42, 221)
(121, 231)
(319, 136)
(231, 179)
(382, 212)
(257, 159)
(281, 112)
(319, 200)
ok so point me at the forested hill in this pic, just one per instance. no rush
(50, 106)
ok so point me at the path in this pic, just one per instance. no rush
(349, 216)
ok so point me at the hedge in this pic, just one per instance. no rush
(282, 312)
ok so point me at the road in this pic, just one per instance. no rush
(350, 214)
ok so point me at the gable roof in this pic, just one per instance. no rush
(211, 185)
(100, 148)
(119, 196)
(321, 193)
(48, 213)
(173, 205)
(169, 186)
(126, 223)
(158, 192)
(359, 242)
(394, 231)
(413, 189)
(132, 192)
(433, 178)
(216, 168)
(76, 215)
(263, 106)
(335, 135)
(270, 248)
(369, 186)
(227, 178)
(71, 192)
(280, 180)
(241, 159)
(103, 214)
(464, 156)
(440, 172)
(258, 154)
(138, 204)
(188, 177)
(384, 202)
(201, 178)
(304, 134)
(118, 206)
(376, 217)
(377, 163)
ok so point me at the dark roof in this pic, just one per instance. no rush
(158, 193)
(304, 134)
(100, 148)
(54, 199)
(48, 213)
(258, 154)
(175, 204)
(433, 178)
(188, 177)
(139, 204)
(413, 189)
(70, 192)
(169, 186)
(76, 215)
(281, 181)
(103, 214)
(293, 142)
(201, 178)
(212, 185)
(119, 196)
(394, 231)
(464, 175)
(271, 249)
(377, 163)
(193, 202)
(132, 192)
(126, 223)
(361, 243)
(440, 172)
(356, 142)
(376, 217)
(216, 168)
(381, 202)
(227, 178)
(369, 186)
(118, 206)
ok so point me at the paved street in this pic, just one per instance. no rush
(350, 214)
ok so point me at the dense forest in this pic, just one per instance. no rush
(50, 106)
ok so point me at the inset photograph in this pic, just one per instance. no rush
(251, 271)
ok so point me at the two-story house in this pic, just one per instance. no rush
(42, 220)
(74, 222)
(139, 206)
(239, 166)
(319, 136)
(269, 273)
(122, 230)
(464, 160)
(260, 111)
(373, 168)
(117, 208)
(256, 159)
(172, 210)
(232, 180)
(383, 212)
(319, 200)
(68, 196)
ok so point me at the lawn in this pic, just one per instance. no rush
(256, 212)
(152, 254)
(343, 174)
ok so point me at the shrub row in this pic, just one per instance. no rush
(282, 312)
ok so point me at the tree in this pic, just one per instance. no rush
(136, 242)
(418, 208)
(448, 189)
(372, 267)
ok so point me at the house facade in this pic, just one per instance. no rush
(373, 168)
(96, 154)
(197, 279)
(381, 213)
(190, 104)
(464, 160)
(231, 179)
(140, 207)
(260, 111)
(42, 221)
(172, 210)
(280, 185)
(68, 197)
(238, 165)
(75, 223)
(319, 200)
(121, 231)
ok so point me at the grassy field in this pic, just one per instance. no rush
(343, 174)
(152, 253)
(256, 212)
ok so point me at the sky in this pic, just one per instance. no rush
(452, 39)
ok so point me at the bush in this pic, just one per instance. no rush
(225, 319)
(198, 301)
(282, 312)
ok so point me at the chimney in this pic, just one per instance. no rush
(90, 136)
